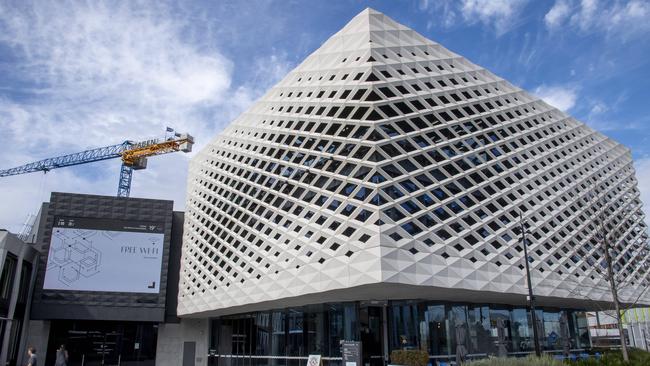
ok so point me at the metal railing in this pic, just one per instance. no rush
(240, 360)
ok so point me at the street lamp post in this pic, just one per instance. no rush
(531, 297)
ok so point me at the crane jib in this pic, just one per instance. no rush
(130, 152)
(88, 156)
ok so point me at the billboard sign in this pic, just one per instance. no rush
(89, 254)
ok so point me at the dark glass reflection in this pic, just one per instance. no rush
(290, 335)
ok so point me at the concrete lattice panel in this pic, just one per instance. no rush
(386, 159)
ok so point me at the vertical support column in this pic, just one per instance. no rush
(27, 323)
(384, 332)
(5, 324)
(124, 185)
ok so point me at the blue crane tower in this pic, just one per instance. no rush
(133, 154)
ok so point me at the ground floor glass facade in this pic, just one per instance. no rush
(287, 336)
(95, 343)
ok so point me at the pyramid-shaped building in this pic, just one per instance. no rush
(386, 167)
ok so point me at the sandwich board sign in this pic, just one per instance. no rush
(351, 353)
(314, 360)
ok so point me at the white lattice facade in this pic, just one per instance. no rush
(385, 166)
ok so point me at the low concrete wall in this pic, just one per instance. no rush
(171, 337)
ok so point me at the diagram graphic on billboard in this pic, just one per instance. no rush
(104, 255)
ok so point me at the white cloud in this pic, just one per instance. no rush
(444, 10)
(620, 19)
(501, 14)
(642, 167)
(95, 75)
(598, 108)
(628, 20)
(558, 14)
(561, 97)
(587, 14)
(127, 69)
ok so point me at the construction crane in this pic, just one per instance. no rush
(133, 154)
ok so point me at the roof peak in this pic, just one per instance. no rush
(368, 20)
(369, 10)
(369, 29)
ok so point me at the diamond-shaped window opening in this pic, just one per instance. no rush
(414, 251)
(443, 234)
(349, 253)
(348, 231)
(457, 227)
(412, 228)
(471, 239)
(395, 236)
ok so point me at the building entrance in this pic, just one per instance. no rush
(101, 343)
(371, 326)
(96, 347)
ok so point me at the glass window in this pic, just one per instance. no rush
(242, 336)
(342, 325)
(14, 338)
(278, 338)
(437, 330)
(315, 330)
(263, 339)
(522, 337)
(295, 327)
(7, 279)
(7, 283)
(457, 316)
(25, 280)
(479, 330)
(319, 329)
(499, 317)
(551, 339)
(404, 319)
(580, 329)
(335, 330)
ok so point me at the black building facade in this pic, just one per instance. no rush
(77, 295)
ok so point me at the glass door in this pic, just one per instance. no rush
(93, 347)
(371, 321)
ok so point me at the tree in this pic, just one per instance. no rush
(611, 223)
(613, 286)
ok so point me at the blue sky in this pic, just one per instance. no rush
(77, 75)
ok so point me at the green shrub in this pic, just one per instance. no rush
(615, 358)
(410, 357)
(608, 358)
(528, 361)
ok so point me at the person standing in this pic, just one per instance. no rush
(31, 353)
(61, 356)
